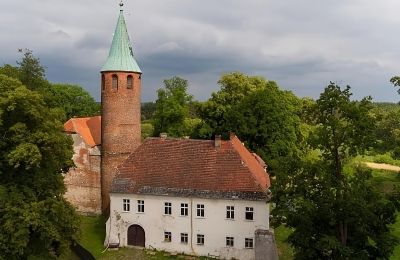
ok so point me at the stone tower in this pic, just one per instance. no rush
(120, 99)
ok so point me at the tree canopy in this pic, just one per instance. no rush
(73, 100)
(172, 108)
(263, 116)
(35, 220)
(334, 211)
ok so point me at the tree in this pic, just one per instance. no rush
(234, 87)
(31, 72)
(266, 121)
(172, 107)
(334, 210)
(396, 82)
(73, 99)
(35, 219)
(259, 113)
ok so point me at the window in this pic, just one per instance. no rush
(129, 82)
(103, 83)
(229, 241)
(184, 209)
(230, 212)
(126, 205)
(167, 236)
(248, 243)
(114, 81)
(200, 239)
(200, 210)
(184, 238)
(140, 205)
(167, 208)
(249, 213)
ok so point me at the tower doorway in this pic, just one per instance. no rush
(136, 236)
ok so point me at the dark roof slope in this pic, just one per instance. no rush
(186, 167)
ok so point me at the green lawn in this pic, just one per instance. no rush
(284, 250)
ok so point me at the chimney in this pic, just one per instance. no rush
(163, 135)
(217, 141)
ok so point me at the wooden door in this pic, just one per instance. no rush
(136, 236)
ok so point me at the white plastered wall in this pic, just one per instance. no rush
(214, 226)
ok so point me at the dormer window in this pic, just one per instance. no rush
(129, 82)
(114, 81)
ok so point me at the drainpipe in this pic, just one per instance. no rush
(191, 225)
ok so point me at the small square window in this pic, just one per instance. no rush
(229, 241)
(200, 239)
(126, 205)
(140, 205)
(184, 209)
(167, 208)
(167, 236)
(184, 238)
(249, 213)
(200, 210)
(248, 243)
(230, 212)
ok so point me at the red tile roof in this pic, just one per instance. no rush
(186, 165)
(89, 128)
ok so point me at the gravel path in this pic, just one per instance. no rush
(383, 166)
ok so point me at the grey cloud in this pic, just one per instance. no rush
(302, 45)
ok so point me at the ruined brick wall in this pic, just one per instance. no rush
(120, 125)
(83, 181)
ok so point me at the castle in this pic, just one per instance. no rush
(198, 197)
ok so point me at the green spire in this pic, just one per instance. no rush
(121, 57)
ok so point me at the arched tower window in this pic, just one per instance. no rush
(129, 82)
(114, 81)
(103, 83)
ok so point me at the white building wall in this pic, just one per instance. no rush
(214, 226)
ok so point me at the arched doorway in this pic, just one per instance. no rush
(136, 236)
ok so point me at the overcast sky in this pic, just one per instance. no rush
(302, 45)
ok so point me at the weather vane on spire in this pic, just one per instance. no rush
(121, 4)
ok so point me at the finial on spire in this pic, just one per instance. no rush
(121, 4)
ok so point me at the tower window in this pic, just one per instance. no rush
(103, 84)
(129, 82)
(114, 81)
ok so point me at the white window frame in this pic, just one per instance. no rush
(230, 241)
(230, 212)
(200, 239)
(126, 205)
(249, 210)
(140, 206)
(200, 210)
(184, 209)
(249, 242)
(184, 238)
(167, 208)
(167, 236)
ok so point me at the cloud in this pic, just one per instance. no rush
(302, 46)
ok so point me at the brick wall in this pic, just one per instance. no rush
(83, 181)
(120, 129)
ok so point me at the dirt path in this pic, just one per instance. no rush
(383, 166)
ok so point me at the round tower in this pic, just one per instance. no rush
(120, 114)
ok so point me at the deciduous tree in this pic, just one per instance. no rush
(172, 107)
(35, 220)
(334, 211)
